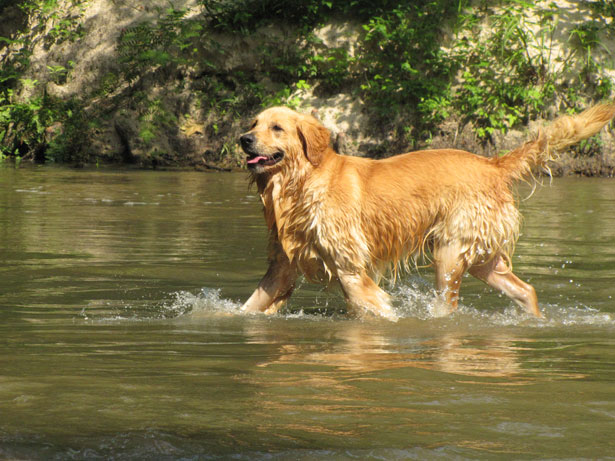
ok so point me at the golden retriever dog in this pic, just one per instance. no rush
(337, 218)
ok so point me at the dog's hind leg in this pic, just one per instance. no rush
(497, 274)
(363, 294)
(450, 267)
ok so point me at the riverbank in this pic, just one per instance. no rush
(174, 83)
(571, 163)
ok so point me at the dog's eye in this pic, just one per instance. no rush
(253, 125)
(277, 128)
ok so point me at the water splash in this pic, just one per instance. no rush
(180, 304)
(417, 299)
(577, 316)
(208, 301)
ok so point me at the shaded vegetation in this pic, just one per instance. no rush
(414, 64)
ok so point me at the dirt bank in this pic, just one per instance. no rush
(174, 82)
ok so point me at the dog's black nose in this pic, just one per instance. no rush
(247, 140)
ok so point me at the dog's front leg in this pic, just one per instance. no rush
(363, 294)
(275, 287)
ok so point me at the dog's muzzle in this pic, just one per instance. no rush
(254, 159)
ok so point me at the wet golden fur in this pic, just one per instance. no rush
(349, 219)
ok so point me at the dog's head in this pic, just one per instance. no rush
(281, 138)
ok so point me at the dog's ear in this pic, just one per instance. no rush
(314, 139)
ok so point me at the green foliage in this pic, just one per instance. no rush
(68, 137)
(414, 64)
(153, 118)
(604, 8)
(246, 16)
(409, 76)
(587, 39)
(42, 128)
(38, 126)
(506, 78)
(403, 64)
(166, 44)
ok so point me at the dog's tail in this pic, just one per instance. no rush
(562, 133)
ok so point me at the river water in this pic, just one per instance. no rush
(121, 336)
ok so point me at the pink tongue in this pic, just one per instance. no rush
(256, 159)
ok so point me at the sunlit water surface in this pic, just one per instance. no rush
(121, 335)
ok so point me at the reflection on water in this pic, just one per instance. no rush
(365, 352)
(357, 348)
(121, 335)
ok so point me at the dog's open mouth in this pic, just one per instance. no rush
(264, 160)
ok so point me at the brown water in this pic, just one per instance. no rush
(120, 335)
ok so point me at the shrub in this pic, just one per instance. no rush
(415, 64)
